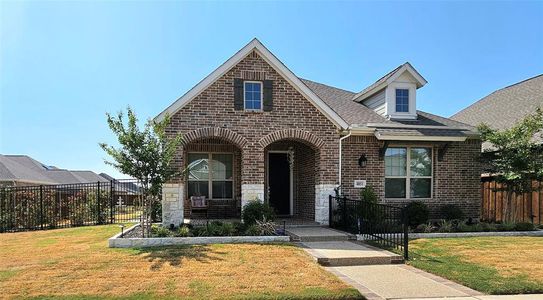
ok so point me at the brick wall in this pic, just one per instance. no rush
(456, 177)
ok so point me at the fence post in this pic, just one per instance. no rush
(98, 200)
(405, 234)
(111, 200)
(330, 211)
(41, 206)
(344, 213)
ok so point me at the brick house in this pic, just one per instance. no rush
(252, 130)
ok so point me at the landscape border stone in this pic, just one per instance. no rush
(117, 241)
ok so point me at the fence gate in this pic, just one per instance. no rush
(380, 224)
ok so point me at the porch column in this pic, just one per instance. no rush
(172, 204)
(326, 181)
(252, 174)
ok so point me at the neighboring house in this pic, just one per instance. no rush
(254, 130)
(505, 107)
(19, 170)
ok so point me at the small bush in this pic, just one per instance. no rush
(446, 226)
(252, 230)
(183, 231)
(426, 228)
(266, 227)
(524, 226)
(506, 226)
(228, 229)
(368, 194)
(256, 210)
(417, 213)
(160, 231)
(452, 212)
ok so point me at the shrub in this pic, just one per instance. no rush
(452, 212)
(446, 226)
(426, 228)
(506, 226)
(183, 231)
(368, 194)
(160, 231)
(228, 229)
(256, 210)
(524, 226)
(214, 228)
(252, 230)
(417, 213)
(266, 227)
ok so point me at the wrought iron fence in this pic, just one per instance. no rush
(69, 205)
(381, 224)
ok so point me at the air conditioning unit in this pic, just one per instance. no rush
(360, 184)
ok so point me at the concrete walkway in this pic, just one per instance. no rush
(488, 297)
(399, 281)
(376, 273)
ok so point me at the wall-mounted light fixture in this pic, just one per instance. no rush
(362, 161)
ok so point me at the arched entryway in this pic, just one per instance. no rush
(291, 171)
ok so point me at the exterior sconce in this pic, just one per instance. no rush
(362, 161)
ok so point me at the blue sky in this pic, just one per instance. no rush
(64, 64)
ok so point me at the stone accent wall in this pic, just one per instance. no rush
(322, 202)
(172, 203)
(456, 177)
(251, 192)
(212, 114)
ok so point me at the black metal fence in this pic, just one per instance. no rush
(69, 205)
(382, 224)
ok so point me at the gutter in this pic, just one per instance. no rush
(349, 133)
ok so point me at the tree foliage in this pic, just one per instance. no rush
(515, 157)
(145, 154)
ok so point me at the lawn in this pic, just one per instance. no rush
(76, 263)
(493, 265)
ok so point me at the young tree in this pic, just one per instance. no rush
(515, 157)
(143, 154)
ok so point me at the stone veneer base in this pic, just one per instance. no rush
(118, 242)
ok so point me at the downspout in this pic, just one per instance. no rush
(340, 154)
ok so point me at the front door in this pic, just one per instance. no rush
(279, 182)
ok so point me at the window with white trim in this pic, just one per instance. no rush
(402, 100)
(210, 175)
(252, 93)
(408, 172)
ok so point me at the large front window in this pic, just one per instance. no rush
(210, 175)
(408, 172)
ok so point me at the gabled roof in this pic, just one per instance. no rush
(505, 107)
(256, 45)
(388, 78)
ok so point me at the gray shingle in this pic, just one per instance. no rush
(505, 107)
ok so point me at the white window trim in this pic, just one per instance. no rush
(261, 95)
(396, 100)
(210, 178)
(408, 173)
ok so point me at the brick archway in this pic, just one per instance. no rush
(215, 132)
(293, 134)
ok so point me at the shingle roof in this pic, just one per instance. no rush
(25, 169)
(353, 112)
(341, 101)
(506, 106)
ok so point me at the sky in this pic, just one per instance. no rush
(64, 64)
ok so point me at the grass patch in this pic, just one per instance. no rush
(76, 263)
(493, 265)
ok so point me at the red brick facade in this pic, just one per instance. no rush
(209, 122)
(456, 176)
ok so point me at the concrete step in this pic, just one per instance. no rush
(318, 234)
(349, 253)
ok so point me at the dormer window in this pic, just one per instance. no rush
(402, 100)
(252, 91)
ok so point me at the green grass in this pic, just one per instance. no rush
(492, 265)
(76, 263)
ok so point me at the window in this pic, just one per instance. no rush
(408, 172)
(402, 100)
(253, 95)
(210, 175)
